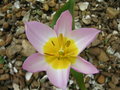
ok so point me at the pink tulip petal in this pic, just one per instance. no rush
(35, 63)
(58, 77)
(84, 66)
(64, 24)
(83, 37)
(38, 33)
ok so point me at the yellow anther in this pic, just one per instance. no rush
(61, 40)
(53, 43)
(68, 43)
(49, 54)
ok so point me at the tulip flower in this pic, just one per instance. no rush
(59, 49)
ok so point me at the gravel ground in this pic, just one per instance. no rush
(104, 52)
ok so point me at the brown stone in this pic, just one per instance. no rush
(18, 14)
(1, 65)
(103, 56)
(5, 25)
(16, 79)
(19, 31)
(86, 21)
(112, 85)
(28, 49)
(116, 88)
(22, 83)
(2, 52)
(4, 77)
(101, 79)
(31, 1)
(1, 71)
(76, 13)
(1, 33)
(52, 3)
(115, 79)
(8, 39)
(46, 7)
(3, 88)
(16, 86)
(6, 7)
(18, 63)
(87, 85)
(35, 84)
(96, 42)
(17, 41)
(2, 42)
(111, 12)
(9, 16)
(95, 19)
(94, 51)
(107, 74)
(76, 7)
(22, 36)
(23, 13)
(12, 50)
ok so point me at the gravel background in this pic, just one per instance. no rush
(104, 52)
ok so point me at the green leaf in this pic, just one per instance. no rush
(68, 6)
(79, 78)
(2, 60)
(23, 58)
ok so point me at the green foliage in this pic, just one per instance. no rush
(79, 78)
(2, 60)
(68, 6)
(24, 58)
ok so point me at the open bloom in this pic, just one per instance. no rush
(58, 49)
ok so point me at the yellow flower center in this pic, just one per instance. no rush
(60, 52)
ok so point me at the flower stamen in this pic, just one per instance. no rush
(53, 43)
(67, 44)
(61, 52)
(49, 54)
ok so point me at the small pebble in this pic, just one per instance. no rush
(83, 5)
(28, 75)
(46, 7)
(1, 65)
(2, 42)
(94, 51)
(15, 70)
(17, 4)
(86, 19)
(112, 13)
(115, 79)
(103, 56)
(52, 3)
(16, 86)
(4, 77)
(112, 85)
(5, 25)
(18, 63)
(101, 79)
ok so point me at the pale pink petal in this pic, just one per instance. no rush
(64, 23)
(84, 66)
(58, 77)
(38, 34)
(35, 63)
(83, 37)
